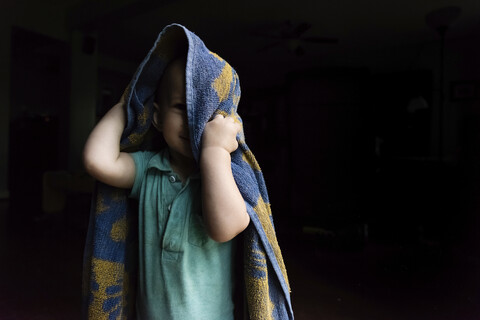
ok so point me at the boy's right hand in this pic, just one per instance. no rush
(221, 132)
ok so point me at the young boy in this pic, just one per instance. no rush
(183, 273)
(194, 198)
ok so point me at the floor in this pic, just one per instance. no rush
(41, 276)
(41, 268)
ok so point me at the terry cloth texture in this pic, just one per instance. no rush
(212, 87)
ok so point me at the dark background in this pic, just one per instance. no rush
(363, 115)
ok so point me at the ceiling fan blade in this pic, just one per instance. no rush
(265, 35)
(324, 40)
(270, 45)
(301, 28)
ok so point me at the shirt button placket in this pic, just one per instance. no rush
(171, 243)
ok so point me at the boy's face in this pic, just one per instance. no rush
(171, 110)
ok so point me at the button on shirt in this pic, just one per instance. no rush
(183, 274)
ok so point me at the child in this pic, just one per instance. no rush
(200, 284)
(194, 197)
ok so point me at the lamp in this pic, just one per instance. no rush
(440, 20)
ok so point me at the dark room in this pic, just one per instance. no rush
(360, 118)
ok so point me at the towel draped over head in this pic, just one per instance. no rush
(212, 87)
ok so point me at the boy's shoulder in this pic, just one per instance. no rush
(143, 161)
(148, 159)
(145, 153)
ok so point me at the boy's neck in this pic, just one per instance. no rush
(181, 165)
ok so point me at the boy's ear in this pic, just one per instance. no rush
(157, 123)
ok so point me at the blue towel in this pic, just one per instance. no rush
(212, 87)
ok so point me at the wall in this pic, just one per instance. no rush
(4, 104)
(31, 16)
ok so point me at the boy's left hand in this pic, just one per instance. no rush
(221, 132)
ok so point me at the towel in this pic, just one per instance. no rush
(110, 260)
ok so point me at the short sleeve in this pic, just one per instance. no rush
(141, 159)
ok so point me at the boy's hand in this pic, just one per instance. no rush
(221, 132)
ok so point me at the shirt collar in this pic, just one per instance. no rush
(161, 161)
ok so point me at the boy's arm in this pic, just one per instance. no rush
(102, 157)
(224, 209)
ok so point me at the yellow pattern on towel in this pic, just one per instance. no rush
(119, 230)
(222, 83)
(100, 295)
(264, 213)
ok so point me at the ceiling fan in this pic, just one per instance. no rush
(292, 36)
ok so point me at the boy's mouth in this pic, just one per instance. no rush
(184, 138)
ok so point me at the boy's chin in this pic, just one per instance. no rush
(188, 155)
(185, 153)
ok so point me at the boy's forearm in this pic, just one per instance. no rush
(103, 144)
(224, 209)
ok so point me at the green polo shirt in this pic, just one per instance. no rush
(183, 274)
